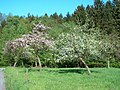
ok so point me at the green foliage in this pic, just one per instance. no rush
(15, 27)
(25, 57)
(46, 58)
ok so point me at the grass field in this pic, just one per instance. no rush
(62, 79)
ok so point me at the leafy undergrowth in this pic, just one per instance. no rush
(62, 79)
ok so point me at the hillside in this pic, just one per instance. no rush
(96, 26)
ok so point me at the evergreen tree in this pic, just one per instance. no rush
(117, 15)
(61, 16)
(46, 15)
(98, 4)
(60, 19)
(55, 16)
(98, 12)
(68, 17)
(79, 15)
(30, 17)
(108, 18)
(90, 16)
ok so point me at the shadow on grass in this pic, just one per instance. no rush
(30, 70)
(79, 71)
(61, 71)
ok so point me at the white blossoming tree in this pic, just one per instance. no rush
(76, 46)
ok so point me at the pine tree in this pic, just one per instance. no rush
(117, 14)
(79, 15)
(108, 18)
(98, 4)
(90, 16)
(46, 15)
(98, 12)
(61, 16)
(68, 17)
(55, 16)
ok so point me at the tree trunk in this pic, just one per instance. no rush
(22, 64)
(39, 61)
(26, 74)
(15, 64)
(86, 66)
(36, 63)
(108, 60)
(108, 63)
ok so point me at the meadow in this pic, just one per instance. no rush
(62, 79)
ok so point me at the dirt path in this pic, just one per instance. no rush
(2, 80)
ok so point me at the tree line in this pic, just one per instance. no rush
(102, 20)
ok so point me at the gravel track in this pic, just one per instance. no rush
(2, 80)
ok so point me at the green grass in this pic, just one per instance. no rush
(62, 79)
